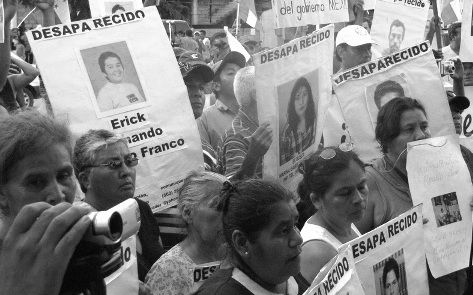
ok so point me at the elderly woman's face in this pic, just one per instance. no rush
(275, 254)
(413, 126)
(47, 176)
(300, 103)
(207, 222)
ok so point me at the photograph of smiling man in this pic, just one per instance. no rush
(113, 77)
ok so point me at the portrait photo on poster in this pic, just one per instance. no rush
(115, 7)
(390, 275)
(396, 33)
(446, 209)
(378, 94)
(114, 86)
(297, 104)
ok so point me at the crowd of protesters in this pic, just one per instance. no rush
(231, 217)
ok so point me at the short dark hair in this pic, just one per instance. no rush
(117, 7)
(398, 23)
(203, 32)
(390, 265)
(106, 55)
(452, 30)
(189, 33)
(387, 87)
(320, 173)
(389, 119)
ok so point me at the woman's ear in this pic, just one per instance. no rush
(240, 243)
(316, 201)
(84, 178)
(187, 214)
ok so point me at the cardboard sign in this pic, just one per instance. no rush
(391, 258)
(107, 75)
(340, 278)
(291, 84)
(202, 272)
(295, 13)
(398, 25)
(107, 7)
(439, 178)
(363, 90)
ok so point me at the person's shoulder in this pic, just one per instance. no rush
(222, 283)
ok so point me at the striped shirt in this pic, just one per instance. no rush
(234, 145)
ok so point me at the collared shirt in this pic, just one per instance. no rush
(113, 96)
(213, 122)
(255, 288)
(234, 145)
(292, 143)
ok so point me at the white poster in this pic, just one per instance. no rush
(363, 90)
(398, 25)
(107, 75)
(439, 178)
(341, 278)
(107, 7)
(295, 13)
(124, 281)
(391, 258)
(466, 48)
(61, 8)
(291, 84)
(2, 23)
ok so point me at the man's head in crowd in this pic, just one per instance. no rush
(386, 91)
(219, 39)
(112, 67)
(245, 90)
(224, 74)
(457, 105)
(203, 34)
(353, 46)
(189, 33)
(397, 32)
(105, 168)
(391, 277)
(455, 35)
(468, 73)
(196, 74)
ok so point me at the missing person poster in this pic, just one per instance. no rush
(291, 85)
(391, 258)
(363, 90)
(107, 75)
(466, 50)
(201, 273)
(340, 278)
(295, 13)
(398, 24)
(439, 178)
(107, 7)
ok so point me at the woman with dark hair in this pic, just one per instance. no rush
(259, 225)
(335, 179)
(400, 121)
(299, 132)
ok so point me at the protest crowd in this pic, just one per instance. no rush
(297, 183)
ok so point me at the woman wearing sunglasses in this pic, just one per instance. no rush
(336, 181)
(106, 172)
(400, 121)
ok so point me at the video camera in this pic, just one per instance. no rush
(99, 254)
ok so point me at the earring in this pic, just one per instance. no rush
(246, 253)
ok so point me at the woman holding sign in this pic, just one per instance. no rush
(335, 178)
(299, 132)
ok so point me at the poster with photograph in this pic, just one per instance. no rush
(361, 90)
(339, 276)
(466, 50)
(391, 259)
(295, 13)
(291, 85)
(466, 138)
(439, 178)
(398, 25)
(107, 7)
(107, 75)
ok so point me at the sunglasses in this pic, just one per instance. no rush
(114, 165)
(326, 154)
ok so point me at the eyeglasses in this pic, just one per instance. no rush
(326, 154)
(114, 165)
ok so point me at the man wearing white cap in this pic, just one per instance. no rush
(353, 46)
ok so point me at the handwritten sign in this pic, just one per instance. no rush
(439, 178)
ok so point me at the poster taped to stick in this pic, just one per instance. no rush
(466, 50)
(291, 84)
(398, 25)
(363, 90)
(295, 13)
(107, 75)
(108, 7)
(392, 256)
(340, 278)
(439, 178)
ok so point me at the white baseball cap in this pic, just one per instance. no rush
(353, 35)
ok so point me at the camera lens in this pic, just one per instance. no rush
(108, 224)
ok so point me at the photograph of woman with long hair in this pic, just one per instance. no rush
(299, 131)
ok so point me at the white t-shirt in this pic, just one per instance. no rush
(113, 96)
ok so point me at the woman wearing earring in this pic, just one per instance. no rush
(336, 181)
(299, 132)
(259, 224)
